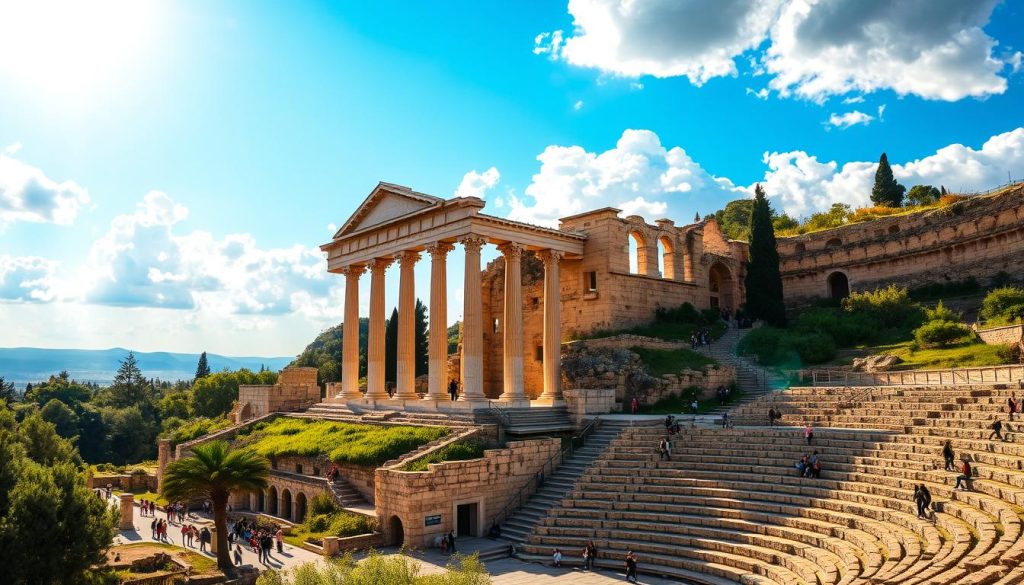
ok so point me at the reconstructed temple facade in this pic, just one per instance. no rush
(977, 237)
(578, 280)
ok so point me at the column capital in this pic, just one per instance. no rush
(408, 257)
(512, 250)
(355, 270)
(472, 242)
(440, 249)
(381, 264)
(551, 256)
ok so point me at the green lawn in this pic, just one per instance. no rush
(146, 495)
(341, 442)
(338, 523)
(200, 563)
(964, 355)
(666, 331)
(457, 451)
(670, 361)
(680, 404)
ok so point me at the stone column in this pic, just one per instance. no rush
(552, 326)
(375, 352)
(163, 457)
(127, 512)
(350, 335)
(438, 338)
(472, 324)
(512, 326)
(405, 379)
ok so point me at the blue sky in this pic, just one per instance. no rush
(168, 168)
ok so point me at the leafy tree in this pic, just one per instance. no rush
(1003, 304)
(213, 395)
(203, 368)
(837, 215)
(923, 195)
(784, 222)
(886, 191)
(422, 358)
(391, 348)
(93, 441)
(763, 280)
(63, 418)
(130, 387)
(59, 387)
(175, 404)
(734, 219)
(213, 472)
(324, 353)
(129, 433)
(53, 529)
(454, 336)
(7, 392)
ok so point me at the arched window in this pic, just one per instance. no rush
(838, 286)
(833, 243)
(720, 286)
(666, 258)
(397, 531)
(272, 496)
(300, 507)
(286, 504)
(637, 253)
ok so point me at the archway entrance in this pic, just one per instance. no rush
(838, 286)
(300, 507)
(720, 285)
(286, 505)
(261, 501)
(272, 496)
(397, 532)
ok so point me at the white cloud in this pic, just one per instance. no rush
(761, 94)
(27, 194)
(27, 279)
(639, 175)
(857, 99)
(813, 49)
(578, 105)
(1015, 61)
(331, 227)
(12, 149)
(476, 184)
(848, 119)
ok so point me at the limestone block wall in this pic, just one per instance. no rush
(296, 388)
(1009, 335)
(359, 477)
(405, 500)
(586, 403)
(980, 237)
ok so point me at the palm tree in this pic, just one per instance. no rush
(213, 472)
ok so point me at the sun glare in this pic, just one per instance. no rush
(70, 47)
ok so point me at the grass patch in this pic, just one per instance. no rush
(680, 403)
(201, 564)
(338, 523)
(143, 494)
(963, 355)
(457, 451)
(194, 429)
(665, 331)
(341, 442)
(670, 361)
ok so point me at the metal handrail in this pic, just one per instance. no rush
(499, 412)
(518, 500)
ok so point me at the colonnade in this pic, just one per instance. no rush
(472, 326)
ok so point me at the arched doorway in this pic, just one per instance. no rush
(397, 532)
(272, 496)
(720, 286)
(300, 507)
(667, 257)
(838, 286)
(286, 505)
(261, 501)
(637, 246)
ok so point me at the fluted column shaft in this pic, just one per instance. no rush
(405, 379)
(472, 324)
(552, 326)
(375, 353)
(350, 334)
(512, 326)
(437, 351)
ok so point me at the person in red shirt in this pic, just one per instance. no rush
(965, 476)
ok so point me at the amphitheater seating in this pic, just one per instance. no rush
(731, 507)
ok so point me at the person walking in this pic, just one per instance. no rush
(1011, 405)
(771, 416)
(808, 434)
(589, 554)
(631, 567)
(453, 390)
(279, 537)
(266, 544)
(997, 430)
(451, 541)
(665, 449)
(949, 456)
(204, 537)
(964, 477)
(634, 405)
(238, 554)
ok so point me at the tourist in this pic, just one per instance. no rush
(801, 466)
(634, 405)
(694, 406)
(723, 394)
(556, 558)
(948, 456)
(965, 476)
(279, 537)
(726, 423)
(1011, 405)
(923, 499)
(816, 467)
(808, 434)
(665, 449)
(204, 538)
(453, 389)
(451, 535)
(631, 567)
(186, 535)
(771, 416)
(809, 469)
(266, 543)
(152, 528)
(238, 554)
(997, 430)
(589, 554)
(444, 544)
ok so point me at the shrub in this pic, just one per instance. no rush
(940, 333)
(846, 329)
(951, 199)
(889, 307)
(323, 503)
(458, 451)
(814, 348)
(684, 313)
(1006, 303)
(790, 348)
(935, 290)
(941, 313)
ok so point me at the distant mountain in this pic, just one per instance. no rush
(22, 365)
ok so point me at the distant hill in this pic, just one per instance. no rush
(22, 365)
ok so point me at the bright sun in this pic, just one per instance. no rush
(73, 46)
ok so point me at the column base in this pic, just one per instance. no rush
(463, 405)
(547, 401)
(513, 402)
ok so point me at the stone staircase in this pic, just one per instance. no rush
(536, 420)
(753, 380)
(519, 524)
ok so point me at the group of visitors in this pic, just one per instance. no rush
(259, 539)
(699, 338)
(333, 472)
(176, 512)
(809, 465)
(147, 508)
(448, 543)
(671, 424)
(773, 415)
(723, 393)
(589, 555)
(190, 533)
(158, 528)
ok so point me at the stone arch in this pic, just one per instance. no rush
(720, 285)
(261, 501)
(637, 245)
(833, 243)
(667, 255)
(396, 530)
(286, 504)
(838, 285)
(272, 498)
(300, 508)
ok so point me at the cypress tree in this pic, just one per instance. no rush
(887, 191)
(763, 281)
(203, 367)
(422, 359)
(391, 348)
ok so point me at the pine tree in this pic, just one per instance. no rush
(391, 348)
(129, 386)
(203, 368)
(887, 191)
(763, 281)
(7, 391)
(422, 359)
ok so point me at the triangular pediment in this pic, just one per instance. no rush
(385, 203)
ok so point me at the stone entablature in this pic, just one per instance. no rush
(976, 237)
(487, 484)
